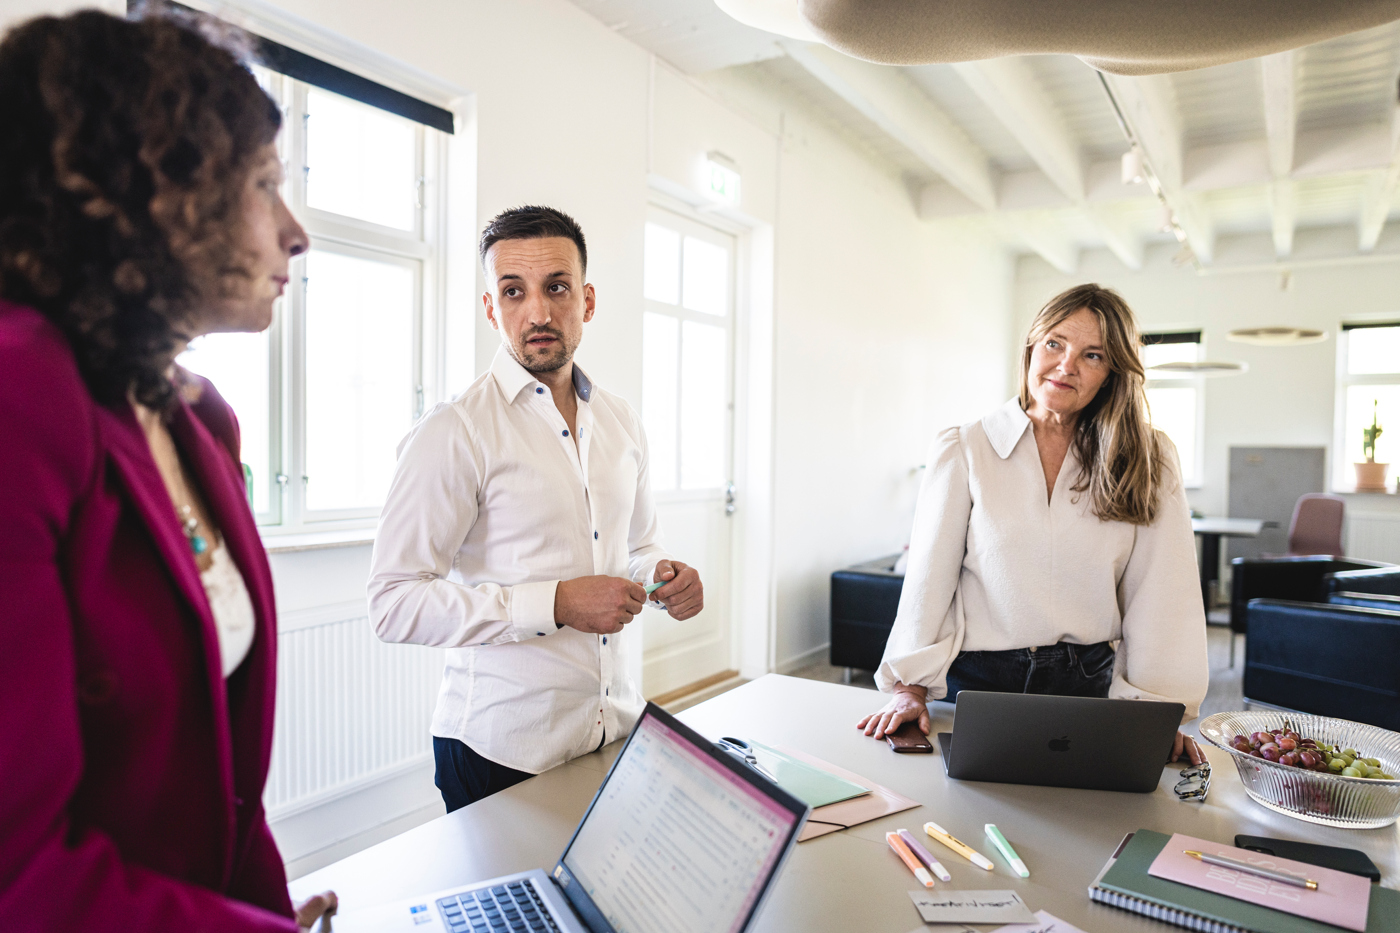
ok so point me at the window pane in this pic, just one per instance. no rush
(706, 277)
(359, 377)
(659, 336)
(1364, 402)
(661, 263)
(361, 161)
(1174, 413)
(1159, 353)
(1373, 350)
(704, 403)
(237, 364)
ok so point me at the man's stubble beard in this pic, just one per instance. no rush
(544, 363)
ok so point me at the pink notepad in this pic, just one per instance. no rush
(1340, 899)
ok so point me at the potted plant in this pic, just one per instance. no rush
(1370, 476)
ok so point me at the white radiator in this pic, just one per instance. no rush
(351, 710)
(1374, 536)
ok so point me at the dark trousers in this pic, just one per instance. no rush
(465, 777)
(1059, 670)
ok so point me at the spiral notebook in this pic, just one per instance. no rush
(1124, 882)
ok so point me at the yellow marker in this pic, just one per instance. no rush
(958, 846)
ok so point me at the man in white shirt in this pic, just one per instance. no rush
(519, 528)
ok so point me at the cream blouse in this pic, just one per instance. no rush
(993, 566)
(232, 608)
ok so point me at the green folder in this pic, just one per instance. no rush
(811, 785)
(1129, 876)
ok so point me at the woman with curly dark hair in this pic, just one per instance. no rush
(139, 209)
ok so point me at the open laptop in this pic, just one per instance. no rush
(681, 838)
(1086, 742)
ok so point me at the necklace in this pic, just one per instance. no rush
(190, 526)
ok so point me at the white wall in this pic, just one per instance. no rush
(1287, 397)
(886, 330)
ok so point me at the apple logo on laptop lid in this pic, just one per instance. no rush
(1060, 745)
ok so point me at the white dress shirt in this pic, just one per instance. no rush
(993, 566)
(493, 504)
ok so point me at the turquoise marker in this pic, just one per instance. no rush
(1006, 851)
(653, 587)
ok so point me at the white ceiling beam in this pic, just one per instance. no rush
(1376, 199)
(1150, 112)
(888, 98)
(1044, 236)
(1280, 110)
(1016, 98)
(1279, 73)
(1118, 236)
(1283, 205)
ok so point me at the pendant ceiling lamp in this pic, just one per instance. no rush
(1129, 37)
(1276, 336)
(1219, 368)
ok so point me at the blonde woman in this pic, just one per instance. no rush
(1048, 531)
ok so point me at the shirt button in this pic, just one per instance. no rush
(605, 639)
(566, 432)
(539, 391)
(595, 536)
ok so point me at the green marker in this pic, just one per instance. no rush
(1006, 851)
(653, 587)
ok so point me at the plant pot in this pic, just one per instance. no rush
(1370, 477)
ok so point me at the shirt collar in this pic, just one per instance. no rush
(1005, 426)
(512, 378)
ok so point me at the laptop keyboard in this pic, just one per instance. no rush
(505, 908)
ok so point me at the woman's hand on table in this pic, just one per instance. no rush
(1185, 747)
(318, 907)
(907, 705)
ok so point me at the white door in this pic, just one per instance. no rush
(687, 408)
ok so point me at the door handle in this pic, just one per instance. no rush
(729, 499)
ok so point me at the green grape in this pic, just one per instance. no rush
(1361, 768)
(1348, 753)
(1373, 762)
(1350, 772)
(1335, 765)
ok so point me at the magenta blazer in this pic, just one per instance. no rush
(131, 773)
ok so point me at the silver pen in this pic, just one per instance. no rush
(1224, 861)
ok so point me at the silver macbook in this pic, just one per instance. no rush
(680, 838)
(1086, 742)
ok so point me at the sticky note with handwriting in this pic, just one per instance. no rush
(971, 907)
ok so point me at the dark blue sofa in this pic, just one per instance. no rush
(864, 600)
(1338, 658)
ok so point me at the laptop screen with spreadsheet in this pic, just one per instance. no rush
(679, 839)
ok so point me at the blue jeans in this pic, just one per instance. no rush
(1061, 669)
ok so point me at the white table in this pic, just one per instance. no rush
(846, 881)
(1211, 529)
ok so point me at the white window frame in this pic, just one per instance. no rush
(1343, 477)
(681, 314)
(422, 248)
(1197, 467)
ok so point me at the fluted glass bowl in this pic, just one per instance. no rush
(1329, 799)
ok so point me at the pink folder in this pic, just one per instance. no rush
(1340, 899)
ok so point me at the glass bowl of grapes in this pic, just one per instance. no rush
(1316, 768)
